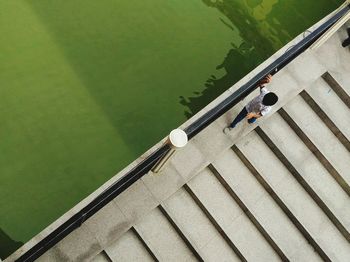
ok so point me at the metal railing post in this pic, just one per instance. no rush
(176, 139)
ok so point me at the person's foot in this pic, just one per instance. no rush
(346, 42)
(227, 129)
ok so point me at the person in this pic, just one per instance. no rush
(347, 41)
(257, 107)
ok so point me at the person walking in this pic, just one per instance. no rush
(257, 107)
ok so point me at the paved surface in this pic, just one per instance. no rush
(276, 190)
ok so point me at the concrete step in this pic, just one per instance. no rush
(263, 206)
(162, 239)
(127, 248)
(336, 58)
(231, 218)
(321, 136)
(316, 152)
(312, 219)
(102, 257)
(340, 88)
(327, 120)
(332, 106)
(339, 81)
(329, 195)
(197, 226)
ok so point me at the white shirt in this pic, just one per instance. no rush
(256, 106)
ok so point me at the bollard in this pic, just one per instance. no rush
(177, 139)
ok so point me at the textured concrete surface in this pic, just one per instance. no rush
(320, 135)
(183, 209)
(120, 250)
(159, 235)
(101, 257)
(165, 183)
(309, 167)
(231, 218)
(297, 200)
(329, 102)
(85, 247)
(104, 229)
(264, 208)
(136, 201)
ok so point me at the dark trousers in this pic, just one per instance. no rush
(240, 117)
(346, 42)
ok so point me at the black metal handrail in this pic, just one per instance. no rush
(193, 129)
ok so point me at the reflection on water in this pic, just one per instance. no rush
(263, 27)
(7, 245)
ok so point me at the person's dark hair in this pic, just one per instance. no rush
(270, 99)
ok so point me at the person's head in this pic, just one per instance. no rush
(270, 99)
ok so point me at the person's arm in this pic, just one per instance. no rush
(251, 115)
(265, 81)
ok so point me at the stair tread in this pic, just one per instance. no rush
(311, 170)
(264, 208)
(296, 198)
(320, 135)
(128, 248)
(231, 218)
(162, 238)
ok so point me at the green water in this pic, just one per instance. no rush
(88, 86)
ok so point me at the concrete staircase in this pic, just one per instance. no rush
(280, 193)
(276, 191)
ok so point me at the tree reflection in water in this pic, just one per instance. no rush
(7, 245)
(258, 36)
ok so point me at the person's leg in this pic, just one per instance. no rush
(251, 120)
(346, 42)
(239, 117)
